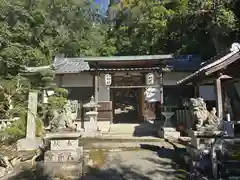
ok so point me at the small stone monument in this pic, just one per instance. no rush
(91, 126)
(30, 142)
(63, 156)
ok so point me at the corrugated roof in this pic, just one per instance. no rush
(235, 48)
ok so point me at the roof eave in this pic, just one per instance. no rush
(208, 69)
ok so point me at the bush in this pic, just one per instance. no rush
(39, 127)
(17, 130)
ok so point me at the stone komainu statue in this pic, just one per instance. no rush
(62, 120)
(202, 117)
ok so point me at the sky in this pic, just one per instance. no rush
(103, 4)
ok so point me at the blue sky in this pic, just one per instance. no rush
(103, 3)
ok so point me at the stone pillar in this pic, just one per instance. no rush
(219, 97)
(30, 142)
(31, 116)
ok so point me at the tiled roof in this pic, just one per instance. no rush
(76, 65)
(70, 65)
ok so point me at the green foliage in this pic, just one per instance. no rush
(181, 27)
(33, 31)
(39, 127)
(56, 102)
(59, 99)
(13, 96)
(41, 80)
(17, 130)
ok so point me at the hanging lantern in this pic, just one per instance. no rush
(108, 79)
(150, 79)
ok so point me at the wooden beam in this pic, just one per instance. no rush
(144, 86)
(224, 76)
(219, 97)
(223, 64)
(161, 88)
(196, 90)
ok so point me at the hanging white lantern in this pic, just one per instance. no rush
(150, 79)
(108, 79)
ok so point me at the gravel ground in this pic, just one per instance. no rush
(145, 161)
(139, 165)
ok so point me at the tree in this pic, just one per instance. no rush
(183, 27)
(33, 31)
(13, 96)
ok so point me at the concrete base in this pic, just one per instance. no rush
(29, 144)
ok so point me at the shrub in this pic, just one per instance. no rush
(17, 130)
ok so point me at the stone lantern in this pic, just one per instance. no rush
(91, 112)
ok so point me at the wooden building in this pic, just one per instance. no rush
(129, 98)
(223, 71)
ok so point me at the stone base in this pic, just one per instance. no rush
(63, 135)
(90, 126)
(207, 134)
(51, 170)
(91, 134)
(60, 156)
(168, 133)
(203, 140)
(29, 144)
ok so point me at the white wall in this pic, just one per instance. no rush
(171, 78)
(76, 80)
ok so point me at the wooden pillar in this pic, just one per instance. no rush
(219, 97)
(196, 90)
(161, 88)
(60, 81)
(96, 88)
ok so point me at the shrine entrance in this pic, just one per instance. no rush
(126, 97)
(126, 105)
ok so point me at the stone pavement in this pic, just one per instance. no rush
(158, 164)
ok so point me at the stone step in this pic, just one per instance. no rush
(116, 136)
(129, 145)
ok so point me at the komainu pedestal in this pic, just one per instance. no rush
(63, 156)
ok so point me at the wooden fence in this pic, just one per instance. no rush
(184, 117)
